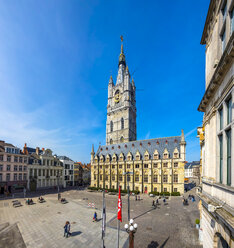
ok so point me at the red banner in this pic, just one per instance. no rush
(119, 216)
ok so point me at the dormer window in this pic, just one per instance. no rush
(157, 142)
(156, 156)
(175, 155)
(165, 155)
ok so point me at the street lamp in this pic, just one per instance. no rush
(128, 173)
(58, 184)
(131, 230)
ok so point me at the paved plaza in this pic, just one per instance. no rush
(41, 224)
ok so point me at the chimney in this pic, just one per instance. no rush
(37, 150)
(25, 145)
(43, 149)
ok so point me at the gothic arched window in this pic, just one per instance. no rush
(111, 141)
(122, 139)
(111, 126)
(122, 123)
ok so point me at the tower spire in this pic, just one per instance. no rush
(122, 56)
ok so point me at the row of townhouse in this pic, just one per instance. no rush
(33, 169)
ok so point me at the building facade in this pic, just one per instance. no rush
(45, 170)
(156, 165)
(192, 170)
(78, 174)
(146, 165)
(68, 171)
(86, 174)
(13, 169)
(217, 196)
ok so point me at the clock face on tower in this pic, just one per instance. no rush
(117, 96)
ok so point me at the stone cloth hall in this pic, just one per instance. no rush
(155, 164)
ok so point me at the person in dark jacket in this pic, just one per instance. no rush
(66, 229)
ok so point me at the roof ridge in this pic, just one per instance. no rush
(141, 140)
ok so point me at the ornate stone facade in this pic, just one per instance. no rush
(156, 165)
(216, 135)
(152, 165)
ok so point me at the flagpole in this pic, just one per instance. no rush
(103, 218)
(117, 234)
(119, 216)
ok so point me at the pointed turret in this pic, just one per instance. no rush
(122, 56)
(111, 80)
(126, 71)
(182, 145)
(92, 154)
(182, 137)
(133, 84)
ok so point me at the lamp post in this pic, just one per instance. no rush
(58, 184)
(131, 230)
(128, 173)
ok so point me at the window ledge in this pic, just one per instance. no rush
(221, 186)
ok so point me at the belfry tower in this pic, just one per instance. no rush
(121, 107)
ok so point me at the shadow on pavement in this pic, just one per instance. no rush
(144, 213)
(75, 233)
(164, 243)
(154, 244)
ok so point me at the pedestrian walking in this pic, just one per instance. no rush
(153, 203)
(95, 217)
(157, 202)
(65, 229)
(136, 198)
(164, 200)
(68, 229)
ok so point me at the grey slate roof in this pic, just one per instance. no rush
(33, 150)
(150, 145)
(191, 164)
(64, 158)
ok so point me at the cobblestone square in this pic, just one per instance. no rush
(41, 224)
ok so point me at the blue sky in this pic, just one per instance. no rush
(56, 58)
